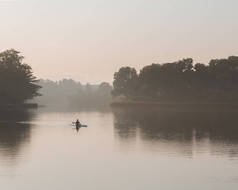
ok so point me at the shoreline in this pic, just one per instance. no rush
(19, 106)
(176, 106)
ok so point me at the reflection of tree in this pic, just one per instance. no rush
(218, 128)
(13, 135)
(125, 125)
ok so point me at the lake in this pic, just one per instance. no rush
(121, 149)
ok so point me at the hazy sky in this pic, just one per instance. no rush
(88, 40)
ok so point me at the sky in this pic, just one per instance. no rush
(89, 40)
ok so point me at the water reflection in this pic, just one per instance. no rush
(186, 133)
(14, 135)
(68, 109)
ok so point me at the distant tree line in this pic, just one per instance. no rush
(68, 92)
(18, 85)
(180, 81)
(17, 82)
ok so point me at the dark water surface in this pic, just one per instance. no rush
(119, 150)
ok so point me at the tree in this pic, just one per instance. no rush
(17, 82)
(104, 89)
(150, 79)
(125, 82)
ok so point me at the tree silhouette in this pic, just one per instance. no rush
(181, 81)
(125, 82)
(17, 82)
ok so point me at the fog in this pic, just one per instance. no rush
(69, 93)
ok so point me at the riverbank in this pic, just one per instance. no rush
(19, 106)
(177, 106)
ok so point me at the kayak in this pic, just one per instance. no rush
(83, 125)
(80, 125)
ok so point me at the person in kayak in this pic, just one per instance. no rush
(77, 123)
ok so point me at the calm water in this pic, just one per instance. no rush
(120, 149)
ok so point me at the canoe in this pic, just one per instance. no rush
(81, 125)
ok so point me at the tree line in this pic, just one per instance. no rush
(182, 80)
(70, 93)
(178, 81)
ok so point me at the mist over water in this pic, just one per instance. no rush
(137, 149)
(118, 95)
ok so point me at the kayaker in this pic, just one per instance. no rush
(77, 123)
